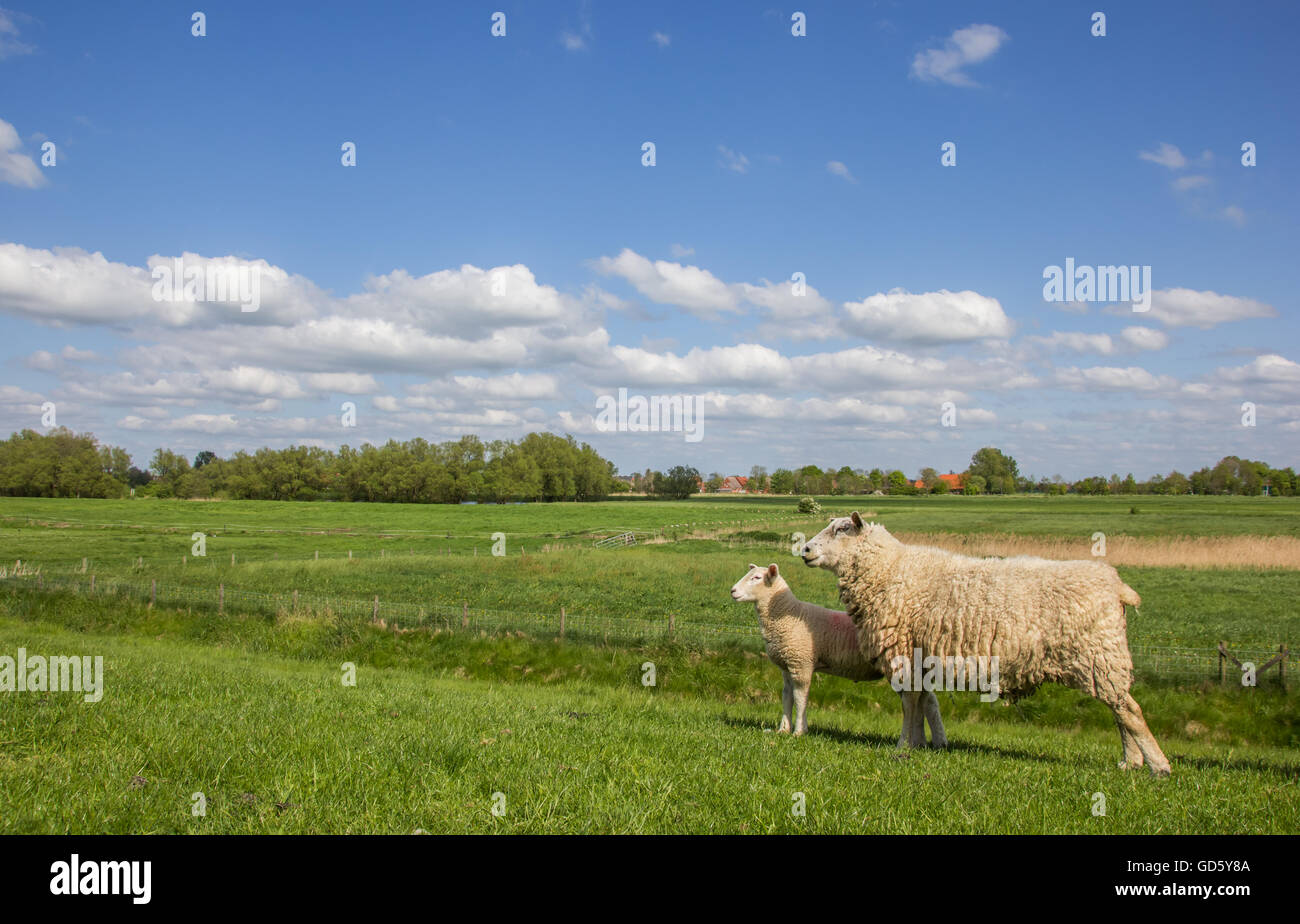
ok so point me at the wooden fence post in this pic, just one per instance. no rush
(349, 555)
(83, 565)
(374, 612)
(561, 622)
(1223, 667)
(295, 600)
(672, 624)
(464, 615)
(317, 558)
(92, 583)
(232, 558)
(153, 591)
(221, 599)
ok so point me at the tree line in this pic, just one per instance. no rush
(539, 467)
(992, 471)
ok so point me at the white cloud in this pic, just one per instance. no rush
(572, 41)
(928, 317)
(1268, 369)
(1113, 378)
(971, 45)
(1234, 214)
(837, 168)
(1166, 155)
(1131, 339)
(681, 250)
(662, 39)
(10, 46)
(690, 287)
(1190, 308)
(733, 160)
(348, 383)
(1144, 338)
(1191, 181)
(16, 168)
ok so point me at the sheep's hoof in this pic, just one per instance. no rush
(939, 745)
(1160, 772)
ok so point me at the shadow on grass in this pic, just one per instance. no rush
(1257, 764)
(891, 741)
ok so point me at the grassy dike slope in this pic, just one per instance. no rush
(253, 715)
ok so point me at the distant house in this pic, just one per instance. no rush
(955, 482)
(732, 484)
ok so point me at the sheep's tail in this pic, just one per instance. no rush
(1129, 595)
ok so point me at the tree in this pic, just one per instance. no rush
(975, 484)
(169, 469)
(930, 478)
(714, 482)
(204, 457)
(783, 481)
(61, 464)
(1176, 483)
(998, 470)
(898, 484)
(680, 482)
(757, 480)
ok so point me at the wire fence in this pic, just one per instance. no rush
(1171, 661)
(402, 615)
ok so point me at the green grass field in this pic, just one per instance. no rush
(246, 705)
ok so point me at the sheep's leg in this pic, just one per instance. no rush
(913, 734)
(930, 706)
(905, 735)
(801, 686)
(1132, 753)
(1130, 715)
(918, 721)
(787, 701)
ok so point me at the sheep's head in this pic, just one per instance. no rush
(758, 583)
(827, 548)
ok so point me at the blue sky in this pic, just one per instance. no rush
(775, 154)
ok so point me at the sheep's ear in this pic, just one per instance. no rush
(772, 571)
(857, 519)
(753, 567)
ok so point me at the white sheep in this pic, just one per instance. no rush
(1057, 621)
(803, 638)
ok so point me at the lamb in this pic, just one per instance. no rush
(802, 638)
(1044, 621)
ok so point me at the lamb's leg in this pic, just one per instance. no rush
(1130, 715)
(801, 685)
(930, 706)
(787, 701)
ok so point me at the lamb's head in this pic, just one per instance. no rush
(758, 584)
(828, 548)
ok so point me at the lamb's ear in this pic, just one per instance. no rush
(772, 572)
(857, 519)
